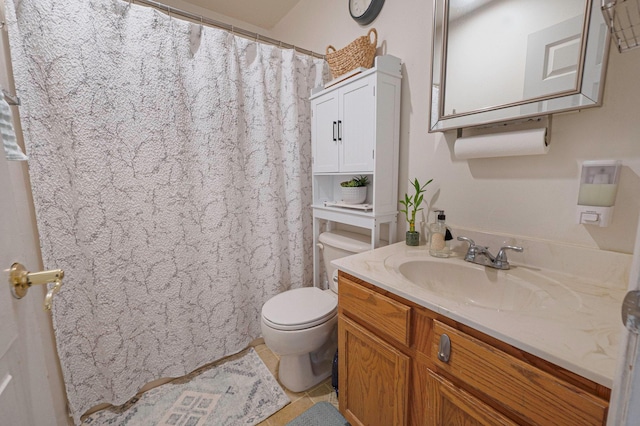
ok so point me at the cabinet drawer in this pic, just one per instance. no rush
(375, 309)
(535, 395)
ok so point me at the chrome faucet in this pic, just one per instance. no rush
(481, 255)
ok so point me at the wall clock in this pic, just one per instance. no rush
(365, 11)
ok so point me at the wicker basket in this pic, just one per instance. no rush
(359, 53)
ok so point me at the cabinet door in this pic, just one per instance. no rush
(324, 136)
(373, 378)
(449, 405)
(357, 126)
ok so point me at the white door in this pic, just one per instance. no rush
(552, 59)
(25, 392)
(625, 399)
(357, 126)
(31, 389)
(324, 133)
(552, 62)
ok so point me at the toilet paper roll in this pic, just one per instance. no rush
(523, 142)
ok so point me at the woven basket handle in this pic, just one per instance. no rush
(375, 38)
(330, 47)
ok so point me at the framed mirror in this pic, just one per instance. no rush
(503, 60)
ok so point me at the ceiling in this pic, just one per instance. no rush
(261, 13)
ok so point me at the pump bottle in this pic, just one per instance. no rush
(437, 243)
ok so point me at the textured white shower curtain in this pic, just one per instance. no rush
(171, 183)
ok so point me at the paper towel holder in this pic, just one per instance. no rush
(509, 139)
(597, 195)
(524, 124)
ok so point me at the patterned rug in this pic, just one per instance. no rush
(240, 391)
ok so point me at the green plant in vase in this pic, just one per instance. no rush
(411, 207)
(354, 191)
(356, 182)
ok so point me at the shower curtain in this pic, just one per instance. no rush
(170, 168)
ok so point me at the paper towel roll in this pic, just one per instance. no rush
(523, 142)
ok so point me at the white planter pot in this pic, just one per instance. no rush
(354, 195)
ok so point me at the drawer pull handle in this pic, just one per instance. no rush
(444, 348)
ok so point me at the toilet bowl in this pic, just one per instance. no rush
(300, 325)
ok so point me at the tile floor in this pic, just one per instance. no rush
(300, 401)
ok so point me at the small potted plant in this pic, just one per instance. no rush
(354, 191)
(411, 207)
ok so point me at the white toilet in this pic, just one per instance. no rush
(300, 325)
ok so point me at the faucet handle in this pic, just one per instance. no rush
(469, 240)
(501, 258)
(471, 251)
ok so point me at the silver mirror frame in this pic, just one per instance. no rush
(591, 77)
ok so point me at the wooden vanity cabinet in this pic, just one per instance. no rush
(390, 374)
(374, 372)
(450, 405)
(376, 388)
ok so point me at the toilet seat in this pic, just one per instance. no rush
(299, 309)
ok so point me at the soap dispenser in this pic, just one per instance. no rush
(438, 231)
(597, 196)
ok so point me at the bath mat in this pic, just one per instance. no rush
(240, 391)
(320, 414)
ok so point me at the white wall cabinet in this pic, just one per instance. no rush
(344, 134)
(355, 131)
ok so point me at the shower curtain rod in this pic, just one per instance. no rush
(223, 25)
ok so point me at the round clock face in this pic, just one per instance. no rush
(358, 7)
(365, 11)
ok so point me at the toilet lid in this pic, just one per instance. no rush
(299, 308)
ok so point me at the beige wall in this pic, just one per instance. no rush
(529, 196)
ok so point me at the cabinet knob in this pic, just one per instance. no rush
(444, 348)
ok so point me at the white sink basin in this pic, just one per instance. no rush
(517, 289)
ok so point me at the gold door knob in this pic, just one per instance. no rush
(20, 280)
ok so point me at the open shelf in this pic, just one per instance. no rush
(365, 206)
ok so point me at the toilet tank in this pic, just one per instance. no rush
(337, 244)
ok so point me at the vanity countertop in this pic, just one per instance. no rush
(582, 338)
